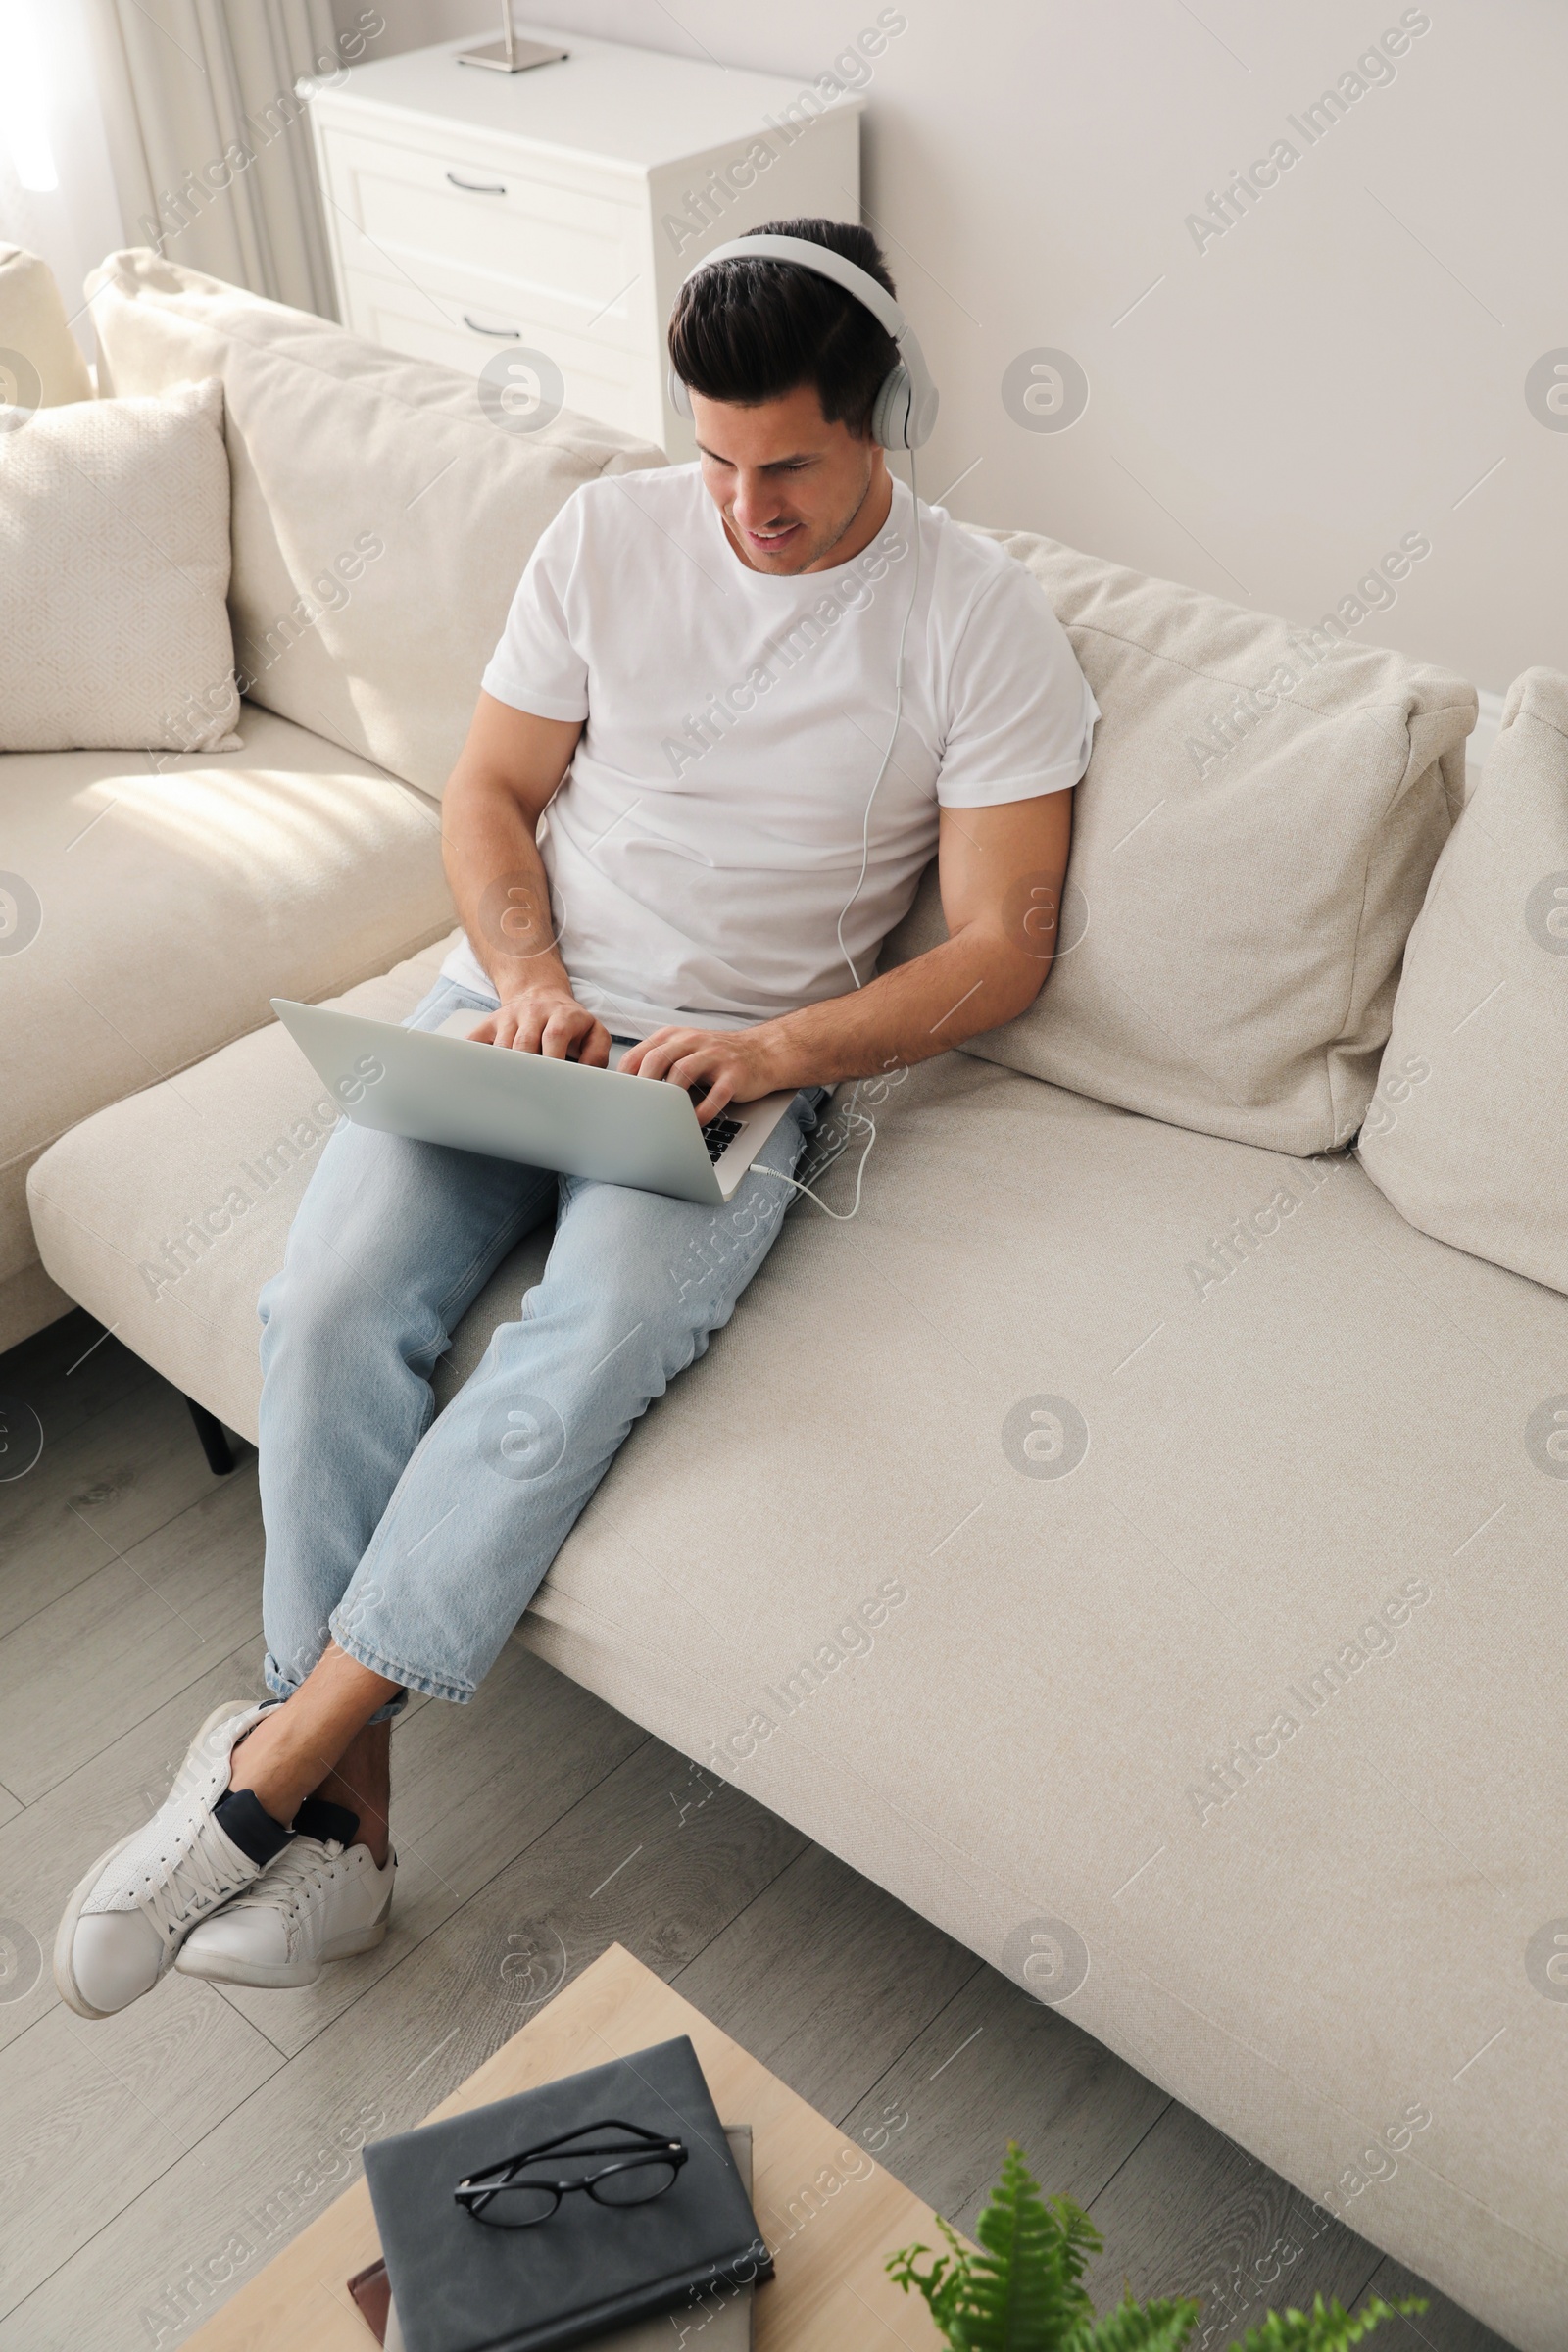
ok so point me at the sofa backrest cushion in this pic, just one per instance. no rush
(1465, 1131)
(381, 516)
(1251, 842)
(41, 365)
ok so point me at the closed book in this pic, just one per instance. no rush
(724, 2322)
(460, 2284)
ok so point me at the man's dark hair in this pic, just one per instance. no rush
(748, 331)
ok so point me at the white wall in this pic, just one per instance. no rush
(1341, 367)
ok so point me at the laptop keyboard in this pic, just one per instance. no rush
(719, 1134)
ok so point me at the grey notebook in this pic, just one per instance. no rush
(592, 2267)
(723, 2324)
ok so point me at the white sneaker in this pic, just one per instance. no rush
(320, 1900)
(131, 1914)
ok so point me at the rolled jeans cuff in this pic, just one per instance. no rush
(412, 1677)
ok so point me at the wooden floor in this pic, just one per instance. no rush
(150, 2162)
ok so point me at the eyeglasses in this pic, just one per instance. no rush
(513, 2196)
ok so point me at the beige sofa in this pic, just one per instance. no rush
(1122, 1539)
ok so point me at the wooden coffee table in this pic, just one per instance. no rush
(829, 2213)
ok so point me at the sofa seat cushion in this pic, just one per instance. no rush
(153, 904)
(1466, 1133)
(1261, 812)
(1121, 1544)
(1217, 1689)
(176, 1203)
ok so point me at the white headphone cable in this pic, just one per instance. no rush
(840, 1216)
(854, 1117)
(897, 714)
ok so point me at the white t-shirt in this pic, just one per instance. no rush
(707, 837)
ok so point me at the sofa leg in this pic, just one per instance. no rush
(213, 1438)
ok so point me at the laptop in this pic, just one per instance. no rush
(440, 1087)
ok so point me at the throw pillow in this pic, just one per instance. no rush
(114, 568)
(1251, 841)
(1465, 1133)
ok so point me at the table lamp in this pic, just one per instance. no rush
(509, 55)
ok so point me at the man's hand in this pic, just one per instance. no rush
(736, 1065)
(548, 1021)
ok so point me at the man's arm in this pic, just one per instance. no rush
(506, 776)
(1001, 870)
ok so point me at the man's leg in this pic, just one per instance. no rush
(633, 1288)
(323, 1744)
(391, 1241)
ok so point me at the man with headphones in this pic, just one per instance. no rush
(754, 694)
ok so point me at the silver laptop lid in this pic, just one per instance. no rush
(523, 1107)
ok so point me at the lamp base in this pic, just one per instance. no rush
(524, 54)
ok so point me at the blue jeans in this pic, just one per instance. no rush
(415, 1542)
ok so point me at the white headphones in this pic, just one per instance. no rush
(905, 412)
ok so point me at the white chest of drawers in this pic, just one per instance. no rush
(556, 212)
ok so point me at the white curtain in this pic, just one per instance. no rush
(47, 81)
(209, 139)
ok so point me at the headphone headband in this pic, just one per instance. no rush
(905, 412)
(807, 254)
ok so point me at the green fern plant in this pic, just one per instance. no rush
(1021, 2290)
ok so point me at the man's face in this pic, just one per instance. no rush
(788, 484)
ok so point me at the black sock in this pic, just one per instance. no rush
(316, 1817)
(242, 1817)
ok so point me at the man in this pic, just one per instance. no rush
(753, 694)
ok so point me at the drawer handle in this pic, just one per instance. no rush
(511, 334)
(478, 187)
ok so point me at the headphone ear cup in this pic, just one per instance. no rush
(680, 400)
(890, 411)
